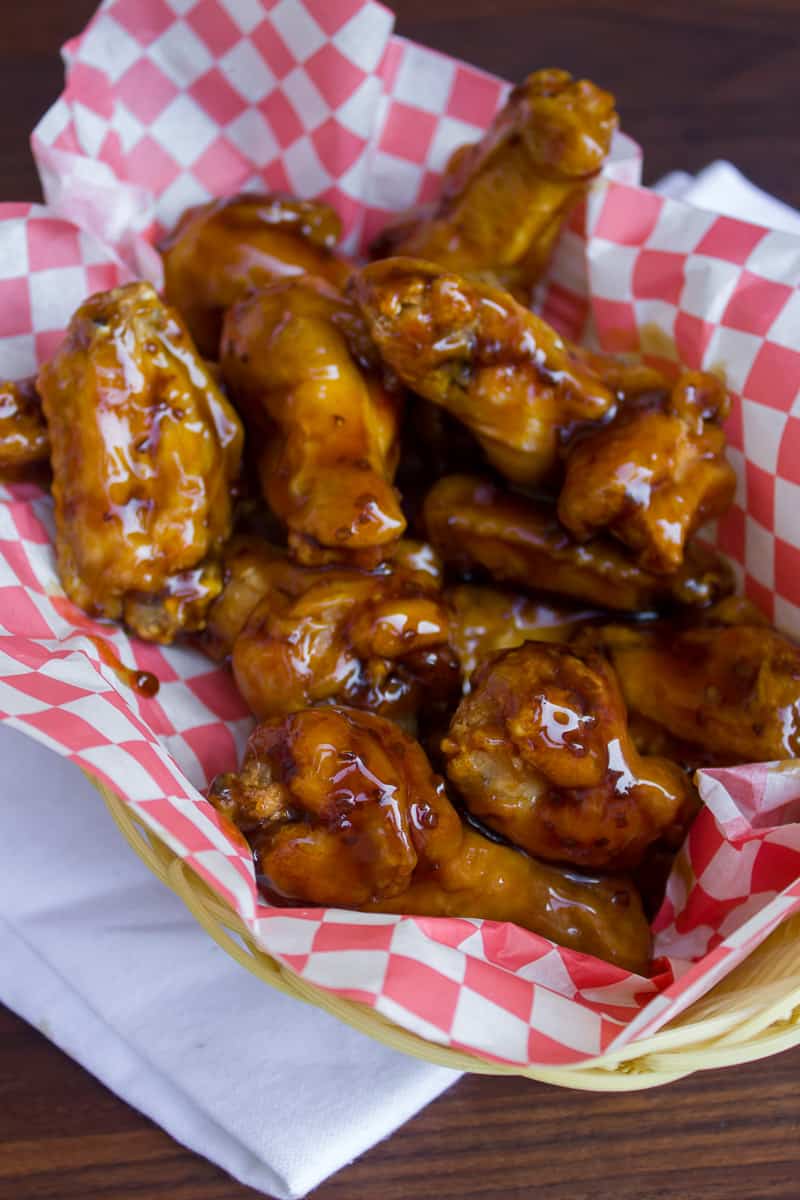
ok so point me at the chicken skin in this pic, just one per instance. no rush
(732, 691)
(497, 367)
(24, 440)
(654, 474)
(329, 429)
(540, 752)
(342, 808)
(504, 200)
(484, 620)
(315, 635)
(221, 251)
(145, 450)
(473, 523)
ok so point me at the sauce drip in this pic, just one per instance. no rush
(142, 682)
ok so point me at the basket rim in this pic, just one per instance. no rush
(706, 1036)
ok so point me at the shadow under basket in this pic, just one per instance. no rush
(752, 1013)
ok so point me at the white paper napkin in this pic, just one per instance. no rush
(110, 965)
(113, 969)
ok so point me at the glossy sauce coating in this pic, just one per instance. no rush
(731, 690)
(221, 251)
(472, 349)
(23, 432)
(330, 428)
(143, 682)
(375, 640)
(540, 752)
(144, 451)
(654, 474)
(474, 523)
(342, 808)
(504, 200)
(484, 620)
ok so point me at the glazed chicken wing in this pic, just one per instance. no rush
(329, 427)
(484, 620)
(376, 640)
(540, 752)
(473, 523)
(144, 450)
(730, 690)
(23, 431)
(221, 251)
(505, 199)
(342, 808)
(475, 351)
(654, 474)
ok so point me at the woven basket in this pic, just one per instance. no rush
(752, 1013)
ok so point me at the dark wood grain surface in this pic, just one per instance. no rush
(695, 80)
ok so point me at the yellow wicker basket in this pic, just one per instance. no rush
(752, 1013)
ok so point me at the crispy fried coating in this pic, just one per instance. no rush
(330, 428)
(473, 523)
(472, 349)
(144, 448)
(221, 251)
(484, 620)
(654, 474)
(23, 431)
(540, 752)
(342, 808)
(504, 200)
(375, 640)
(732, 690)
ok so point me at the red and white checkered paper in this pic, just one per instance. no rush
(169, 102)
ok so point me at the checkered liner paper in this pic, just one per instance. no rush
(169, 102)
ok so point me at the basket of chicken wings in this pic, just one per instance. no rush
(415, 585)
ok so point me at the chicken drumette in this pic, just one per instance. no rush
(342, 808)
(24, 439)
(327, 427)
(654, 474)
(540, 752)
(219, 252)
(497, 367)
(732, 690)
(505, 199)
(144, 451)
(473, 523)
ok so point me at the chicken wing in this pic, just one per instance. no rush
(221, 251)
(473, 523)
(504, 200)
(484, 620)
(654, 474)
(475, 351)
(24, 439)
(540, 752)
(145, 449)
(733, 691)
(329, 427)
(342, 808)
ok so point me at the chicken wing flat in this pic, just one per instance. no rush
(504, 200)
(24, 440)
(732, 691)
(484, 620)
(540, 752)
(219, 252)
(654, 474)
(475, 351)
(144, 448)
(473, 523)
(342, 808)
(329, 427)
(375, 640)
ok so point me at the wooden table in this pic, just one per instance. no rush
(696, 80)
